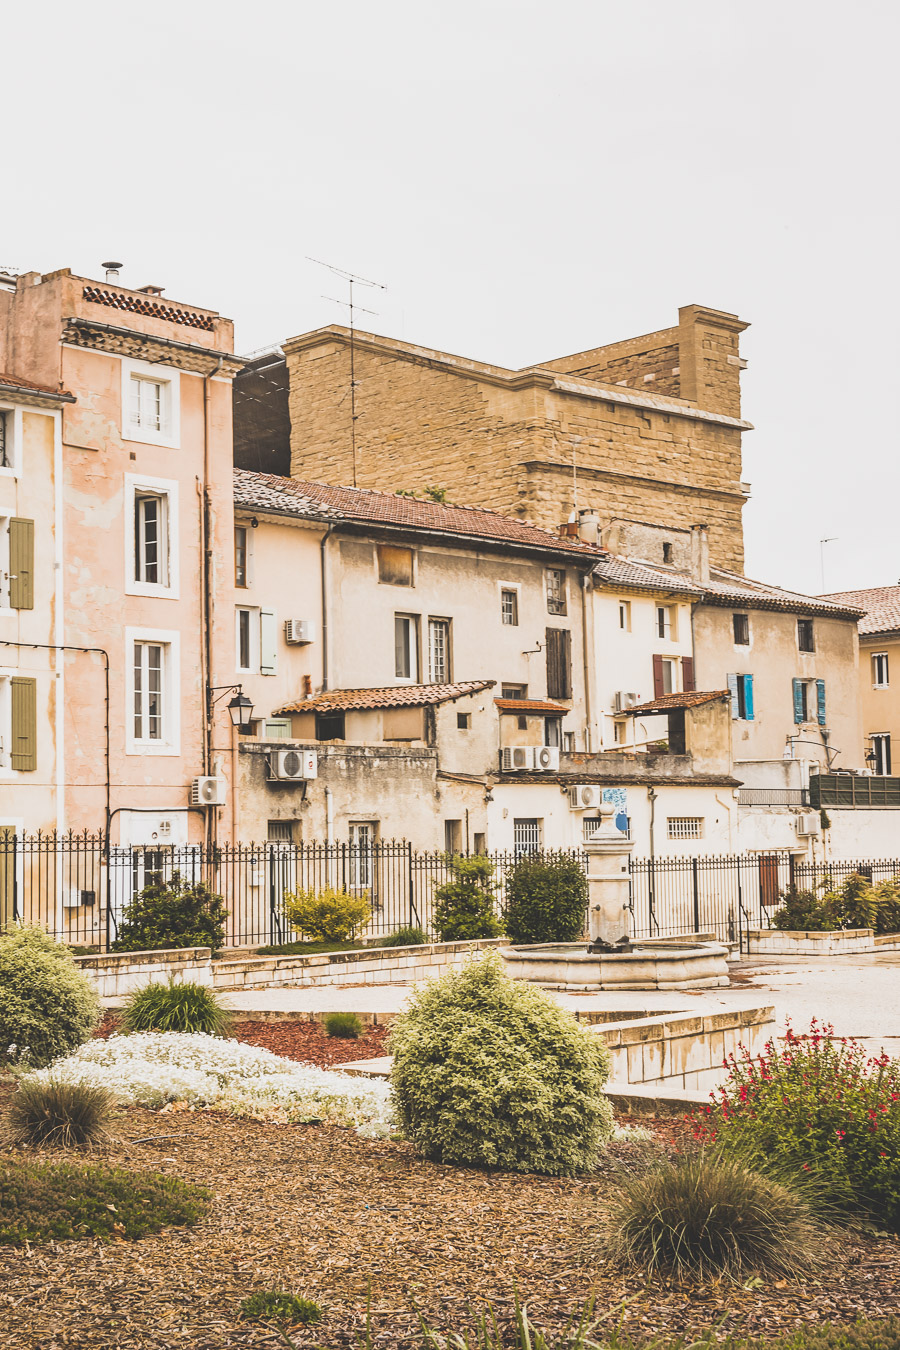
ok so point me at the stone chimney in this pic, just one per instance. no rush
(700, 554)
(588, 527)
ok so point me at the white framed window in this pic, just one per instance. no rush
(152, 691)
(439, 651)
(246, 639)
(509, 606)
(685, 827)
(151, 403)
(527, 832)
(406, 647)
(10, 440)
(670, 679)
(667, 623)
(362, 838)
(243, 548)
(625, 616)
(880, 672)
(151, 536)
(555, 579)
(881, 746)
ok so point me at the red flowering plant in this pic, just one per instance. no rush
(818, 1110)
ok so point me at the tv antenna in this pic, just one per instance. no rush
(352, 280)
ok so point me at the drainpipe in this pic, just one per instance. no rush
(587, 643)
(324, 540)
(329, 835)
(206, 600)
(652, 795)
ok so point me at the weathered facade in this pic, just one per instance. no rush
(649, 428)
(879, 672)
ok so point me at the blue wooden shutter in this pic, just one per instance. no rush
(748, 697)
(820, 701)
(798, 700)
(733, 691)
(268, 644)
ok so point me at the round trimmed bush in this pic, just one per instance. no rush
(490, 1072)
(47, 1006)
(546, 898)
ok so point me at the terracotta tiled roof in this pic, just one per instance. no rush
(253, 494)
(641, 576)
(726, 588)
(880, 606)
(530, 705)
(30, 387)
(145, 304)
(388, 508)
(672, 702)
(394, 696)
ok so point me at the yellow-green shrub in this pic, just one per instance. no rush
(47, 1006)
(327, 916)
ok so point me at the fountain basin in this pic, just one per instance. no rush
(647, 965)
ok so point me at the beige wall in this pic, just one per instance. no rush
(774, 660)
(881, 707)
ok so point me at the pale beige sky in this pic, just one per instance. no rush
(527, 179)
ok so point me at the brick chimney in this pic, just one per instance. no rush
(700, 554)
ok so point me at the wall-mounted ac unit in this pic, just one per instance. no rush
(585, 797)
(808, 824)
(546, 758)
(208, 792)
(297, 631)
(625, 700)
(75, 899)
(515, 758)
(287, 766)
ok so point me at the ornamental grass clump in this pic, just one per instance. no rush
(176, 1007)
(55, 1114)
(406, 937)
(490, 1072)
(707, 1216)
(47, 1006)
(273, 1305)
(346, 1026)
(817, 1110)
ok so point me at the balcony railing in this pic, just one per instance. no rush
(854, 790)
(773, 797)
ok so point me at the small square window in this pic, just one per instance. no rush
(330, 726)
(685, 827)
(395, 565)
(522, 722)
(741, 625)
(556, 590)
(463, 721)
(805, 635)
(509, 607)
(514, 691)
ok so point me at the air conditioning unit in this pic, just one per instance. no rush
(515, 758)
(298, 631)
(585, 797)
(208, 792)
(808, 824)
(546, 758)
(76, 899)
(287, 766)
(624, 700)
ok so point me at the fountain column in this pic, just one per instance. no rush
(608, 851)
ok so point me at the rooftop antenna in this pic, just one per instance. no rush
(575, 442)
(822, 543)
(352, 280)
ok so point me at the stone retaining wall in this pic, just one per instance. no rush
(682, 1050)
(778, 942)
(119, 973)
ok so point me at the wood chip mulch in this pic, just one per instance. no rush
(306, 1042)
(318, 1211)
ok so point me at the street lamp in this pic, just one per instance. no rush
(241, 712)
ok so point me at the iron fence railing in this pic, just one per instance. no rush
(773, 797)
(79, 886)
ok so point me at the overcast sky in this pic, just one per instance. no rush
(527, 180)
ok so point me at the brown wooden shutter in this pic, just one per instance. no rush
(657, 677)
(559, 663)
(21, 564)
(24, 724)
(687, 674)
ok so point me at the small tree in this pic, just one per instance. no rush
(327, 916)
(546, 898)
(173, 913)
(464, 908)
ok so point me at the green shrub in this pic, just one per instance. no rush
(307, 948)
(272, 1305)
(706, 1216)
(888, 914)
(173, 913)
(857, 903)
(546, 898)
(347, 1026)
(803, 912)
(47, 1006)
(406, 937)
(464, 906)
(327, 916)
(176, 1007)
(49, 1202)
(819, 1110)
(489, 1071)
(56, 1114)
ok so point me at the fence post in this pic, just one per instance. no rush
(695, 878)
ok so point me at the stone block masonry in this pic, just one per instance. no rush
(653, 424)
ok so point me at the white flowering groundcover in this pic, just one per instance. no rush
(159, 1068)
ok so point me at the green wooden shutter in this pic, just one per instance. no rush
(21, 564)
(798, 701)
(268, 642)
(24, 724)
(820, 701)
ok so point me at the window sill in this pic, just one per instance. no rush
(139, 436)
(151, 748)
(151, 589)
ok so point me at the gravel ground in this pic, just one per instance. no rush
(319, 1211)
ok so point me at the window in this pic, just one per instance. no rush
(18, 723)
(556, 590)
(625, 615)
(148, 691)
(453, 836)
(509, 607)
(568, 744)
(667, 552)
(280, 831)
(559, 663)
(463, 721)
(330, 726)
(151, 543)
(241, 555)
(362, 838)
(10, 441)
(741, 689)
(514, 691)
(479, 842)
(741, 626)
(16, 563)
(276, 729)
(685, 827)
(809, 701)
(151, 403)
(439, 651)
(881, 745)
(553, 731)
(247, 640)
(665, 676)
(621, 732)
(880, 678)
(526, 835)
(152, 692)
(666, 626)
(805, 635)
(522, 722)
(395, 565)
(5, 440)
(406, 647)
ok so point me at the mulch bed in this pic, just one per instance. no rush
(303, 1041)
(318, 1211)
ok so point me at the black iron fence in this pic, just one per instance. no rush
(79, 887)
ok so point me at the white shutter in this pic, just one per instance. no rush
(268, 642)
